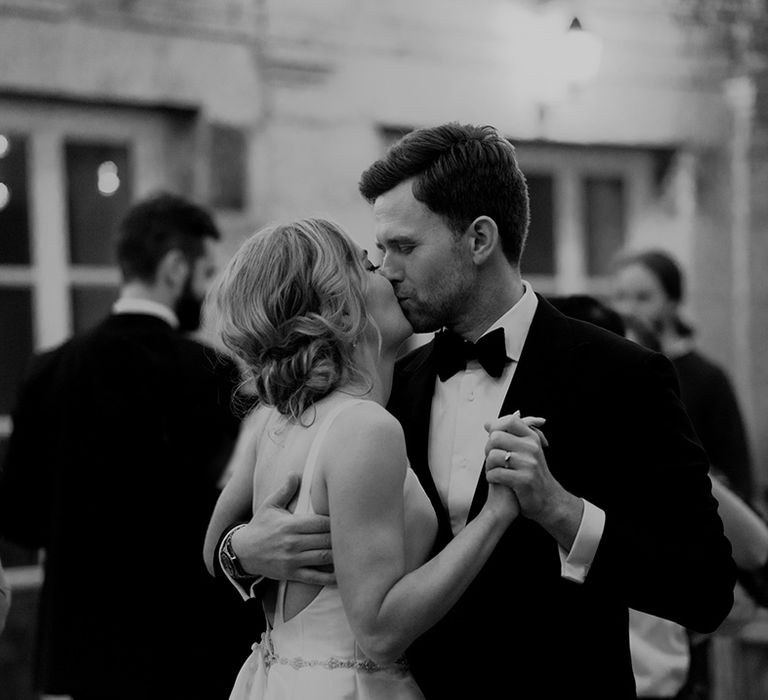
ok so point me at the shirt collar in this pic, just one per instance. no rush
(146, 306)
(517, 322)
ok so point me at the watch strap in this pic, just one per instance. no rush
(228, 559)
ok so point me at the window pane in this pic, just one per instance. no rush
(91, 305)
(98, 194)
(228, 171)
(539, 255)
(14, 218)
(16, 348)
(605, 222)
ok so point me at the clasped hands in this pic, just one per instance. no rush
(514, 458)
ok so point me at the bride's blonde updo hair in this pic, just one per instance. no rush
(291, 306)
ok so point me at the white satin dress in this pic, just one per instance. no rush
(314, 655)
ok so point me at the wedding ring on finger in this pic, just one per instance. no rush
(507, 457)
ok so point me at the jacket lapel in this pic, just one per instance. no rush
(411, 403)
(532, 390)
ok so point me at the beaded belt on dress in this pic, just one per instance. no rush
(331, 663)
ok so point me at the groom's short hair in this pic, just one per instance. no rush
(459, 171)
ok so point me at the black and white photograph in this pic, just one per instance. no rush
(405, 350)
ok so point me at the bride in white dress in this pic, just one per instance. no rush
(318, 330)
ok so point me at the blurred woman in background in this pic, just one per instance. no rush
(649, 286)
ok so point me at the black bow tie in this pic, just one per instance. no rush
(452, 353)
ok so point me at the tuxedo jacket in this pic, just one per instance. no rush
(620, 438)
(120, 437)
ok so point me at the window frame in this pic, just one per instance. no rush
(569, 166)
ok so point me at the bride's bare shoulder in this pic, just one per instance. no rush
(370, 417)
(257, 416)
(366, 429)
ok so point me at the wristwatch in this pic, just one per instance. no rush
(228, 559)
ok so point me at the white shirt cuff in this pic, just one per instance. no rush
(245, 587)
(574, 565)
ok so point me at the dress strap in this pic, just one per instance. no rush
(303, 504)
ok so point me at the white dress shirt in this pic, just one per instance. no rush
(461, 406)
(660, 655)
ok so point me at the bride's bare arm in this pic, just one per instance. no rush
(364, 468)
(274, 543)
(235, 501)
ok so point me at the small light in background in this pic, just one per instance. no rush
(562, 57)
(5, 145)
(108, 178)
(581, 54)
(5, 195)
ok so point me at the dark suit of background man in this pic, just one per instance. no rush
(616, 512)
(117, 435)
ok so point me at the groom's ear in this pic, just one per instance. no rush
(483, 238)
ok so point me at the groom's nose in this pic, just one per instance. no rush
(388, 270)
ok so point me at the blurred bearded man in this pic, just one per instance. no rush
(117, 434)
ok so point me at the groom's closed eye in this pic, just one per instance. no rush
(403, 247)
(398, 244)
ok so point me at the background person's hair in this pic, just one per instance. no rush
(586, 308)
(663, 267)
(641, 333)
(291, 306)
(583, 307)
(668, 273)
(156, 225)
(460, 172)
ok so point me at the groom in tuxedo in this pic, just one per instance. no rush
(616, 509)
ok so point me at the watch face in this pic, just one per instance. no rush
(227, 564)
(228, 558)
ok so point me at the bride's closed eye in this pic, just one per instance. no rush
(367, 264)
